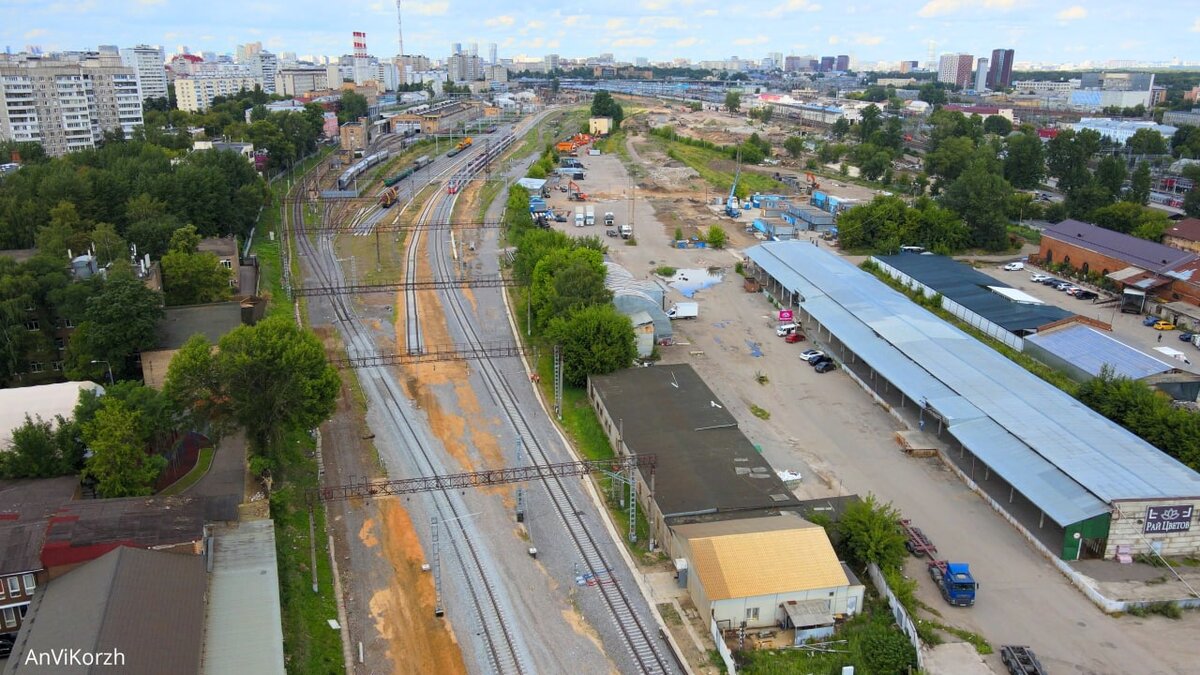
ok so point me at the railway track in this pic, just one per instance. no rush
(640, 640)
(505, 652)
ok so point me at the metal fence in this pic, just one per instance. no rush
(722, 648)
(898, 612)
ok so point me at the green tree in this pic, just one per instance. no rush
(1110, 173)
(41, 449)
(567, 279)
(1086, 197)
(353, 106)
(1024, 163)
(119, 321)
(603, 105)
(194, 278)
(980, 196)
(1139, 185)
(995, 124)
(1120, 217)
(886, 650)
(65, 232)
(870, 532)
(109, 245)
(932, 94)
(1191, 203)
(595, 340)
(119, 462)
(1067, 156)
(840, 128)
(869, 122)
(532, 246)
(794, 146)
(950, 158)
(193, 383)
(733, 101)
(275, 377)
(715, 237)
(185, 240)
(1147, 142)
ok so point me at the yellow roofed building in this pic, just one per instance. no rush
(774, 571)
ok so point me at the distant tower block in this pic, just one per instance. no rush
(360, 45)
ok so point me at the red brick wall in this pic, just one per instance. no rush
(1096, 262)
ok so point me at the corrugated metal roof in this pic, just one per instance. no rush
(1133, 250)
(778, 557)
(976, 291)
(1090, 350)
(1110, 462)
(244, 633)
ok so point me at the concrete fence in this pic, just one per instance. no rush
(898, 612)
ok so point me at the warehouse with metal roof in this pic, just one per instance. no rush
(1082, 352)
(1078, 482)
(992, 306)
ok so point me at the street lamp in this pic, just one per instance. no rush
(109, 366)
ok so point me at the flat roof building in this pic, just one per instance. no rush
(706, 468)
(1076, 481)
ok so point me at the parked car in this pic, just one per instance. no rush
(811, 354)
(793, 337)
(610, 232)
(1086, 295)
(1150, 321)
(1187, 336)
(786, 329)
(1052, 282)
(1063, 285)
(819, 360)
(825, 366)
(1014, 267)
(1163, 324)
(1039, 278)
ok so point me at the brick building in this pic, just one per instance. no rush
(1165, 272)
(1184, 234)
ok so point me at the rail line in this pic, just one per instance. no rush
(501, 644)
(642, 645)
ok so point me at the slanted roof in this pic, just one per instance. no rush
(1090, 350)
(148, 605)
(1188, 229)
(705, 464)
(749, 557)
(993, 300)
(25, 506)
(243, 631)
(45, 401)
(808, 613)
(83, 530)
(1132, 250)
(1098, 461)
(212, 321)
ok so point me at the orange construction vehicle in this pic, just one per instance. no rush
(812, 182)
(564, 146)
(574, 194)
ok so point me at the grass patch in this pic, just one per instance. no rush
(203, 461)
(309, 644)
(1167, 609)
(977, 641)
(703, 161)
(665, 271)
(1027, 233)
(759, 412)
(671, 617)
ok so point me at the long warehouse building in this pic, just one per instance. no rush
(1078, 482)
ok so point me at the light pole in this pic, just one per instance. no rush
(109, 366)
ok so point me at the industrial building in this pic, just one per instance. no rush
(1082, 352)
(1182, 117)
(707, 470)
(770, 571)
(1076, 482)
(632, 296)
(1122, 130)
(67, 105)
(443, 118)
(993, 307)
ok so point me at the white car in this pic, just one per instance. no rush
(785, 329)
(1014, 267)
(1039, 277)
(811, 355)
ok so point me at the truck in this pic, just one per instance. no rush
(609, 218)
(918, 543)
(1020, 660)
(578, 216)
(590, 216)
(955, 582)
(626, 231)
(684, 310)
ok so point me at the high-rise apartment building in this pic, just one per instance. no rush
(842, 63)
(908, 66)
(263, 66)
(955, 69)
(298, 80)
(551, 61)
(793, 63)
(67, 105)
(981, 74)
(492, 55)
(150, 65)
(196, 93)
(827, 63)
(1000, 72)
(244, 52)
(464, 68)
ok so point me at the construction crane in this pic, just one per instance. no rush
(732, 207)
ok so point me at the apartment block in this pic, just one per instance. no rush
(955, 69)
(150, 64)
(300, 80)
(1000, 73)
(263, 65)
(196, 93)
(67, 105)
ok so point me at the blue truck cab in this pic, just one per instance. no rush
(955, 582)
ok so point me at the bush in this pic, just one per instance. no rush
(887, 650)
(871, 532)
(716, 236)
(665, 271)
(679, 234)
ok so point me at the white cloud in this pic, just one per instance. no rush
(614, 24)
(437, 8)
(791, 6)
(662, 23)
(756, 40)
(634, 42)
(1072, 13)
(502, 20)
(687, 42)
(833, 39)
(36, 32)
(147, 3)
(709, 12)
(867, 40)
(942, 7)
(535, 24)
(1196, 26)
(552, 44)
(508, 42)
(655, 5)
(573, 19)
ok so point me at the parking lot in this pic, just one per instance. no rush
(1127, 328)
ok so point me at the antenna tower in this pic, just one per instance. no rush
(400, 28)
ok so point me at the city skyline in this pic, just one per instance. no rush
(1067, 31)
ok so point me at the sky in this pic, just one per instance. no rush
(1049, 31)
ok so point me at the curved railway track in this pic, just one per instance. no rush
(505, 652)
